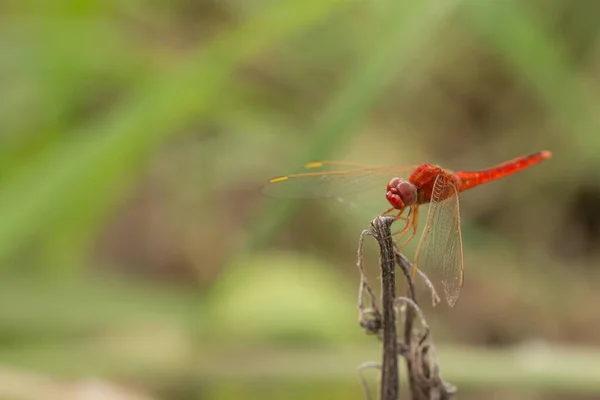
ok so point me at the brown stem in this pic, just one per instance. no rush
(417, 346)
(389, 368)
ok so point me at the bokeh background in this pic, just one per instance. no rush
(139, 259)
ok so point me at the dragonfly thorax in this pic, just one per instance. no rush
(401, 193)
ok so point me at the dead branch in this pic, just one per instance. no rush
(416, 347)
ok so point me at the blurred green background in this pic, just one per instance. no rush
(139, 259)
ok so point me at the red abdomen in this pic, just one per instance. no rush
(469, 180)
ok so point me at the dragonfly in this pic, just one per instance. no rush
(408, 187)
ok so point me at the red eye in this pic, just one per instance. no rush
(407, 192)
(393, 185)
(401, 193)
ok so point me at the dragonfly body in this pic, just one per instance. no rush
(400, 194)
(440, 247)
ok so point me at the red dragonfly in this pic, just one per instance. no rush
(440, 247)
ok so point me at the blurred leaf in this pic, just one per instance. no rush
(542, 60)
(281, 297)
(36, 307)
(102, 157)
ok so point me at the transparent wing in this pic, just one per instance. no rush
(440, 248)
(333, 179)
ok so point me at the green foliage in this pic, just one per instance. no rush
(142, 130)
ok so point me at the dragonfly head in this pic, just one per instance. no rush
(401, 193)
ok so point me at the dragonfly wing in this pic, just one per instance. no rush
(440, 248)
(333, 182)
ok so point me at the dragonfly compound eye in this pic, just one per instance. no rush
(401, 193)
(408, 192)
(393, 185)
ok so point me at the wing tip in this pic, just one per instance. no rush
(452, 301)
(451, 293)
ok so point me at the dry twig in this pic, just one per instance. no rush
(416, 347)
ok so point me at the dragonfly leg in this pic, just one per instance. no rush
(387, 211)
(397, 216)
(414, 224)
(406, 227)
(400, 234)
